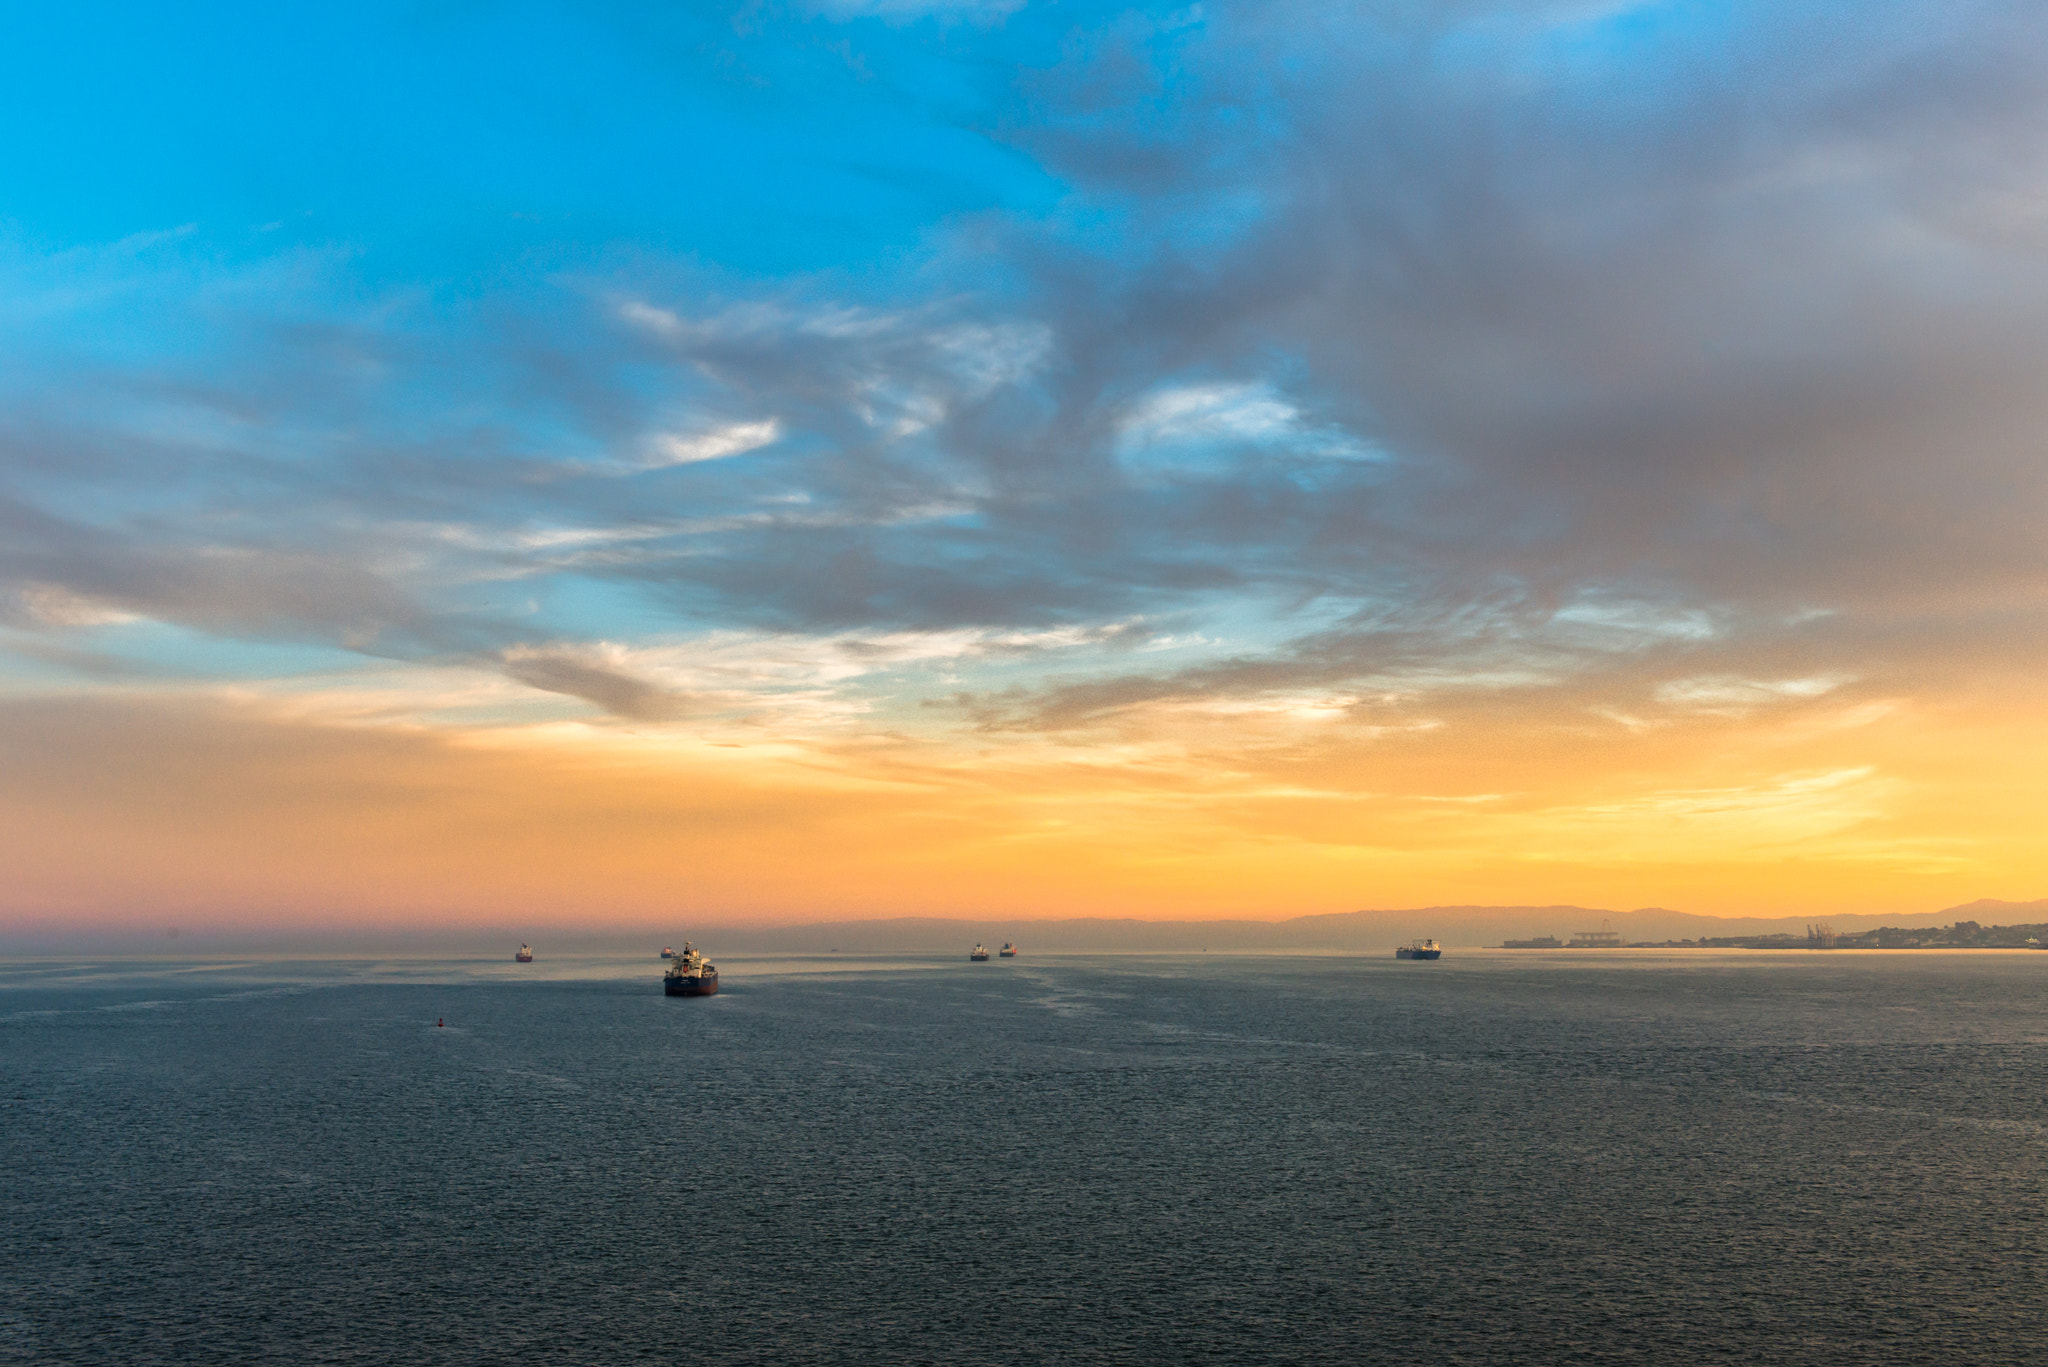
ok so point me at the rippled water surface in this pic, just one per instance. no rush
(1496, 1158)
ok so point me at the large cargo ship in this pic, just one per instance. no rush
(980, 954)
(524, 956)
(1420, 949)
(1008, 951)
(689, 976)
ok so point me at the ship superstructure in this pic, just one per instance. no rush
(688, 975)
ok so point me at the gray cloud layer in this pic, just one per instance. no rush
(1746, 323)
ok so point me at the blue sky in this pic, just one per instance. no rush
(454, 141)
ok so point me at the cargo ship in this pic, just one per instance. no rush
(688, 975)
(1008, 951)
(524, 956)
(1420, 949)
(667, 953)
(980, 954)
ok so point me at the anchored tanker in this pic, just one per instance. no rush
(1420, 949)
(689, 976)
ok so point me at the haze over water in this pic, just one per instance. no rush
(1635, 1157)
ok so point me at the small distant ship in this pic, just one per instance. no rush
(667, 953)
(1008, 951)
(1420, 949)
(980, 954)
(524, 956)
(688, 975)
(1540, 942)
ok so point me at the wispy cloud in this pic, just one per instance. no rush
(1741, 695)
(1216, 411)
(49, 605)
(733, 439)
(590, 675)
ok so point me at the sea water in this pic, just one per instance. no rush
(1495, 1158)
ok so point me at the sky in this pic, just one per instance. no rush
(760, 462)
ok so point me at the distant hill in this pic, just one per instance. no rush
(1992, 912)
(1353, 931)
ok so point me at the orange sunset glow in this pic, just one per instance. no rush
(234, 811)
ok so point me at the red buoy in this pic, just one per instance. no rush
(438, 1022)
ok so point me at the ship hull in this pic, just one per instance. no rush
(1418, 954)
(690, 987)
(1007, 954)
